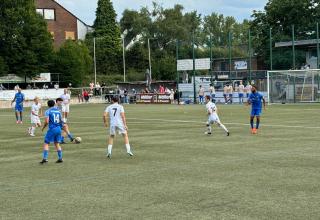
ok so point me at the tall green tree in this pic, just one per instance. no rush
(108, 42)
(280, 15)
(74, 62)
(25, 44)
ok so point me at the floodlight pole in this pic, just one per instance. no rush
(94, 61)
(150, 67)
(250, 59)
(293, 49)
(178, 75)
(194, 69)
(318, 48)
(211, 59)
(230, 52)
(124, 60)
(271, 52)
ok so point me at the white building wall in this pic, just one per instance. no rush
(82, 30)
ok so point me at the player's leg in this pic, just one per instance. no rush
(20, 113)
(126, 141)
(209, 128)
(110, 141)
(17, 117)
(59, 152)
(110, 144)
(33, 128)
(218, 122)
(45, 153)
(68, 133)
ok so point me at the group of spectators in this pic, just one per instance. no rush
(228, 92)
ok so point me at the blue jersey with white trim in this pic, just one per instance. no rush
(256, 100)
(55, 118)
(19, 98)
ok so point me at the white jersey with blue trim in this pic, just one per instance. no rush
(114, 112)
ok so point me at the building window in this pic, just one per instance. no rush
(48, 14)
(40, 11)
(70, 35)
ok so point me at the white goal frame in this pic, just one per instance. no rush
(309, 74)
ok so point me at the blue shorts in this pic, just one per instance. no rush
(19, 108)
(53, 136)
(256, 112)
(240, 95)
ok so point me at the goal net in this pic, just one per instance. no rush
(294, 86)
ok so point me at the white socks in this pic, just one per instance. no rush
(128, 148)
(224, 128)
(109, 149)
(32, 130)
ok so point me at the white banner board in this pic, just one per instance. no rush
(44, 77)
(241, 65)
(187, 64)
(31, 94)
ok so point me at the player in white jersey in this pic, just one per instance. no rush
(36, 112)
(65, 105)
(213, 118)
(114, 117)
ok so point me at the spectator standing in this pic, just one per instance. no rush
(241, 92)
(212, 93)
(230, 93)
(201, 95)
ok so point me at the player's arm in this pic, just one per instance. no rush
(45, 124)
(264, 103)
(40, 112)
(14, 99)
(124, 120)
(105, 118)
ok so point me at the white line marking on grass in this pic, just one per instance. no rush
(183, 121)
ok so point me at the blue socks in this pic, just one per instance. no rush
(59, 154)
(45, 154)
(258, 124)
(70, 136)
(251, 123)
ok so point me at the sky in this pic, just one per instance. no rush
(240, 9)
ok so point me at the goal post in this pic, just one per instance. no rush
(293, 86)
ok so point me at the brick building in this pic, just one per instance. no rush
(62, 24)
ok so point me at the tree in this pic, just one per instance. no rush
(280, 15)
(73, 60)
(108, 43)
(25, 44)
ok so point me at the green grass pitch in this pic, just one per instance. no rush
(177, 172)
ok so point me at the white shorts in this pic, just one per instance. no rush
(35, 119)
(65, 108)
(213, 119)
(120, 128)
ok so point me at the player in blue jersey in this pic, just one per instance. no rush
(255, 100)
(19, 99)
(53, 119)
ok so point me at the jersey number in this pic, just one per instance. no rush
(114, 111)
(56, 118)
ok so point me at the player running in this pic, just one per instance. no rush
(53, 119)
(65, 127)
(65, 105)
(116, 116)
(19, 99)
(212, 112)
(255, 100)
(36, 112)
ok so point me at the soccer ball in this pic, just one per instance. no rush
(77, 140)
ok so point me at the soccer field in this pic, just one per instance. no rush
(177, 172)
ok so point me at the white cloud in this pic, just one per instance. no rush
(240, 9)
